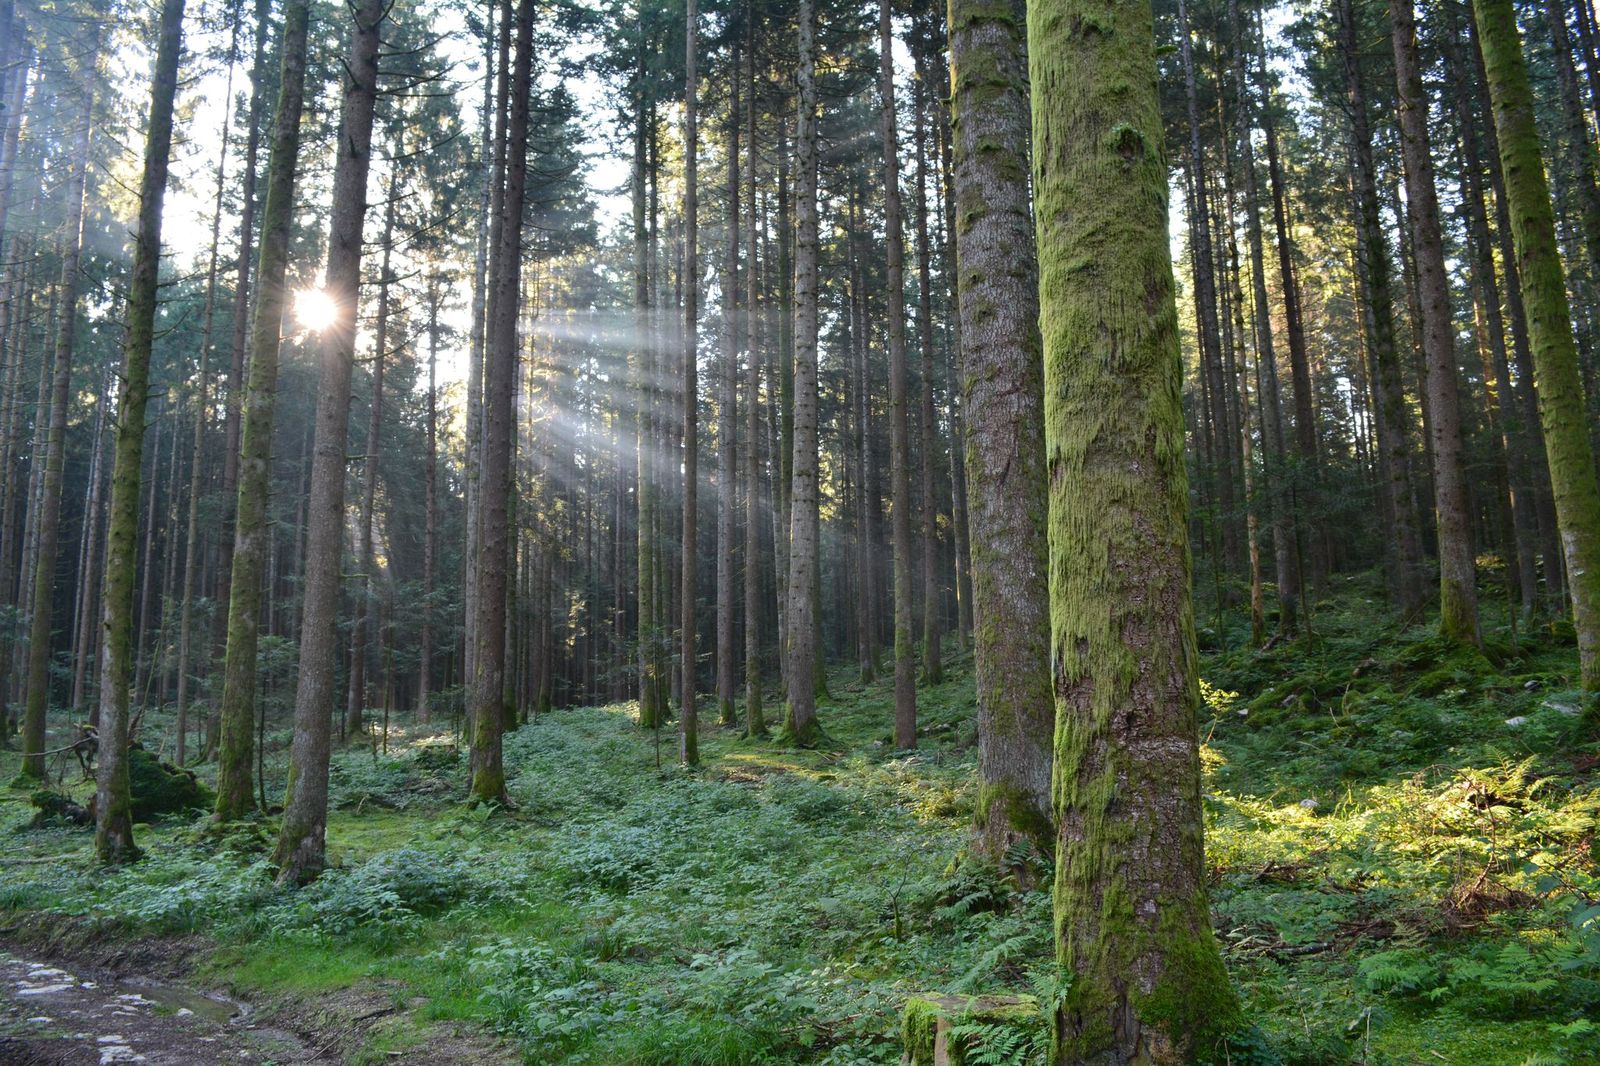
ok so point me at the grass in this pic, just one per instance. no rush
(1401, 840)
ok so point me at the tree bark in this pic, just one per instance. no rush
(688, 566)
(1373, 260)
(489, 711)
(928, 425)
(905, 680)
(300, 851)
(47, 524)
(113, 836)
(1003, 393)
(1132, 924)
(1555, 355)
(1458, 587)
(800, 724)
(727, 416)
(235, 796)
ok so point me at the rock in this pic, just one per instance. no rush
(1517, 722)
(1309, 804)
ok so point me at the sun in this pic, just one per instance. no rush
(315, 309)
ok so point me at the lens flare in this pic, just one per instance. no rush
(315, 309)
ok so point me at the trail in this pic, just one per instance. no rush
(52, 1016)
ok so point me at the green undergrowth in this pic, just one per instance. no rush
(1401, 840)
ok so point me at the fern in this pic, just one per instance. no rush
(991, 1044)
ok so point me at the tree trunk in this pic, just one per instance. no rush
(1458, 588)
(243, 335)
(689, 585)
(905, 681)
(430, 542)
(801, 724)
(1555, 355)
(1373, 260)
(300, 851)
(235, 796)
(202, 415)
(755, 722)
(1506, 420)
(1133, 929)
(113, 836)
(928, 426)
(489, 711)
(727, 417)
(1206, 324)
(47, 524)
(1003, 393)
(356, 695)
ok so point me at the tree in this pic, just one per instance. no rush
(689, 719)
(1003, 393)
(1372, 266)
(727, 409)
(1458, 589)
(300, 851)
(800, 722)
(1133, 930)
(1544, 296)
(47, 520)
(235, 796)
(905, 666)
(489, 686)
(113, 836)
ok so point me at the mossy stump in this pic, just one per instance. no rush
(926, 1023)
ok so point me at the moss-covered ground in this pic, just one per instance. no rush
(1402, 840)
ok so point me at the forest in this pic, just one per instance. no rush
(735, 532)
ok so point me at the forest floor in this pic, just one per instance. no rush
(1401, 837)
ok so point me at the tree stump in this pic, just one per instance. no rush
(926, 1025)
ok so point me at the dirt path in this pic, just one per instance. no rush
(53, 1016)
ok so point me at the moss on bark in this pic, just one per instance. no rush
(1132, 926)
(1549, 316)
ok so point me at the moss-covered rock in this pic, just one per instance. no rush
(160, 788)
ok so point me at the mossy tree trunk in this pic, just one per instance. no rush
(800, 723)
(1132, 926)
(905, 664)
(1544, 295)
(1505, 418)
(300, 852)
(1002, 387)
(235, 796)
(233, 416)
(113, 833)
(1458, 587)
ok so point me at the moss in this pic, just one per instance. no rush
(159, 788)
(921, 1017)
(1194, 1002)
(1019, 812)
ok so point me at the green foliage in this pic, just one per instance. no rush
(780, 906)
